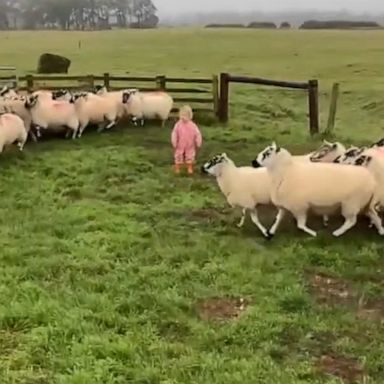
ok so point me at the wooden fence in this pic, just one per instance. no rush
(214, 97)
(182, 90)
(311, 87)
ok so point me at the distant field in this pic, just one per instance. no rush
(105, 254)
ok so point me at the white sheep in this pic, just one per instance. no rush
(298, 187)
(16, 105)
(61, 94)
(149, 105)
(6, 92)
(95, 109)
(12, 129)
(243, 187)
(53, 114)
(117, 96)
(328, 152)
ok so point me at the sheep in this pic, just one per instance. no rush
(8, 92)
(12, 129)
(16, 105)
(328, 152)
(243, 187)
(91, 108)
(352, 153)
(354, 189)
(115, 95)
(53, 114)
(149, 105)
(61, 94)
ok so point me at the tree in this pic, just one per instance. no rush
(77, 14)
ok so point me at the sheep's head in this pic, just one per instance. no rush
(266, 156)
(61, 94)
(7, 92)
(78, 95)
(100, 89)
(31, 101)
(215, 164)
(349, 156)
(125, 96)
(379, 143)
(4, 91)
(362, 160)
(328, 152)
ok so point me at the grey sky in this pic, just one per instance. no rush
(169, 7)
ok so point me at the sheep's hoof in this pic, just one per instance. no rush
(269, 235)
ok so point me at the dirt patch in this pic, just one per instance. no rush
(207, 214)
(221, 309)
(372, 310)
(331, 290)
(347, 369)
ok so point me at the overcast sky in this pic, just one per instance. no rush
(169, 7)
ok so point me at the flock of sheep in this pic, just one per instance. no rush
(329, 181)
(23, 115)
(332, 180)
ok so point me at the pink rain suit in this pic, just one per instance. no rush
(186, 137)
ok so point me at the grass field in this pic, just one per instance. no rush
(106, 255)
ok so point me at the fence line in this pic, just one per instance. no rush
(33, 82)
(218, 91)
(311, 87)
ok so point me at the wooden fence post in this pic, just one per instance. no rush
(215, 94)
(332, 108)
(106, 80)
(161, 83)
(224, 96)
(29, 79)
(313, 101)
(91, 82)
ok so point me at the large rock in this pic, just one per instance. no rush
(50, 63)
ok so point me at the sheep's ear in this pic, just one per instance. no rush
(224, 155)
(325, 142)
(274, 144)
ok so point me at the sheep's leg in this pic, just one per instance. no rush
(349, 222)
(302, 224)
(21, 144)
(74, 133)
(278, 219)
(100, 128)
(375, 220)
(256, 221)
(242, 219)
(33, 136)
(111, 124)
(325, 220)
(142, 122)
(81, 130)
(134, 121)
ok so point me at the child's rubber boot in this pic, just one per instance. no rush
(176, 169)
(190, 168)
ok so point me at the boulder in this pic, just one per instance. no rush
(50, 63)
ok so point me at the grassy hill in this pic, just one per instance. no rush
(107, 256)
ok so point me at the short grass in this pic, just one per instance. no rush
(105, 252)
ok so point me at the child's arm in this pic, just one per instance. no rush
(198, 136)
(175, 135)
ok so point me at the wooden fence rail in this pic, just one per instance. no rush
(216, 92)
(209, 87)
(311, 87)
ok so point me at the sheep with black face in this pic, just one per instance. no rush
(298, 187)
(243, 187)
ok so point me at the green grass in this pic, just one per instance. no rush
(105, 252)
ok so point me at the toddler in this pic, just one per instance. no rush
(186, 138)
